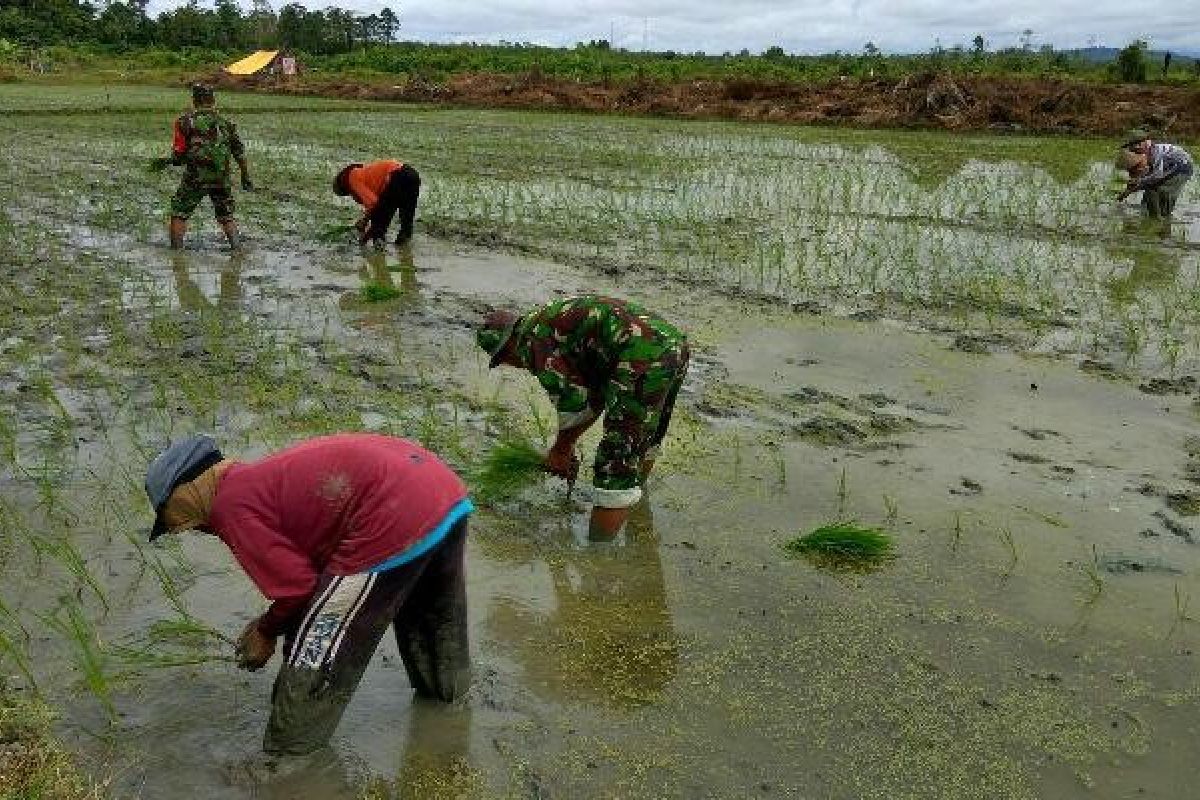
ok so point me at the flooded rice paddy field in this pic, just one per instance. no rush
(958, 338)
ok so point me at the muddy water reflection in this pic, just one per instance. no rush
(192, 297)
(610, 638)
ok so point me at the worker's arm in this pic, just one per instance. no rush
(238, 151)
(576, 413)
(281, 572)
(178, 142)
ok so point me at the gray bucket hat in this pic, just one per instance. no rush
(182, 461)
(1135, 136)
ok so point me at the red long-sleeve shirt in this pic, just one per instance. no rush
(336, 504)
(368, 181)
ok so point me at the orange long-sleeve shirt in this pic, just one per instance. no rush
(366, 183)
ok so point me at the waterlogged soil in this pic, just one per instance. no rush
(1031, 640)
(1035, 636)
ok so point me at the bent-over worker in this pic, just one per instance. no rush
(348, 535)
(598, 356)
(382, 188)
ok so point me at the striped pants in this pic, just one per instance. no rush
(424, 601)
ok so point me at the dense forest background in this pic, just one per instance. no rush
(41, 34)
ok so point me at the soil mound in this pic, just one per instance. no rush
(925, 100)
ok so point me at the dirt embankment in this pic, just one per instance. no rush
(917, 101)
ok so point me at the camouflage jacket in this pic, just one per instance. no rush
(205, 144)
(576, 346)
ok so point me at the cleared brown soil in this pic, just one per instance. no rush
(918, 101)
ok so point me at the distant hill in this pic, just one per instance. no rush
(1104, 55)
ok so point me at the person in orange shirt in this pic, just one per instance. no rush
(382, 188)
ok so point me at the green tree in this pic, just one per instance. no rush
(1132, 64)
(389, 24)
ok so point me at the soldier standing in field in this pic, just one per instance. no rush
(204, 144)
(598, 356)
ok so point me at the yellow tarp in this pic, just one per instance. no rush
(252, 63)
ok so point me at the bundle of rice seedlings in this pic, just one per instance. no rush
(156, 165)
(509, 468)
(378, 292)
(336, 233)
(174, 643)
(844, 545)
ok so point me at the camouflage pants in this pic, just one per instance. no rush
(1160, 201)
(638, 401)
(425, 603)
(189, 194)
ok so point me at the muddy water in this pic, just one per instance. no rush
(693, 659)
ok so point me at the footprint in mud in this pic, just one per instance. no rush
(1027, 458)
(980, 343)
(1164, 386)
(1120, 564)
(967, 488)
(1175, 527)
(1037, 434)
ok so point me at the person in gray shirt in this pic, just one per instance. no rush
(1158, 170)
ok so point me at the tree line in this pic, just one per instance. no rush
(225, 26)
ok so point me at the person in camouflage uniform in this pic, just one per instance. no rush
(204, 144)
(598, 356)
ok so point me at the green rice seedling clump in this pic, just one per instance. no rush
(335, 233)
(844, 545)
(379, 293)
(511, 466)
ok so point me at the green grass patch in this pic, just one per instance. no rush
(845, 546)
(509, 468)
(35, 765)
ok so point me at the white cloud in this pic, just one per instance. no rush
(798, 27)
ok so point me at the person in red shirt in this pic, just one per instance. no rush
(347, 535)
(382, 188)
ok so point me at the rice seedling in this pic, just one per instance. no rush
(178, 642)
(1182, 602)
(843, 492)
(1006, 536)
(892, 509)
(1091, 569)
(844, 546)
(90, 660)
(511, 466)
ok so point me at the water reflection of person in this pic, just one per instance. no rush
(436, 758)
(610, 638)
(191, 296)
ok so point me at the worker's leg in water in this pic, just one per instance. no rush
(638, 401)
(654, 446)
(325, 659)
(1154, 201)
(408, 186)
(222, 200)
(385, 209)
(1169, 192)
(183, 203)
(431, 623)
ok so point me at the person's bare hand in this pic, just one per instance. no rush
(563, 463)
(254, 648)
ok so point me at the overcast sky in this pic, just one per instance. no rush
(716, 26)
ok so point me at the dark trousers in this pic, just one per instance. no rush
(423, 601)
(400, 195)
